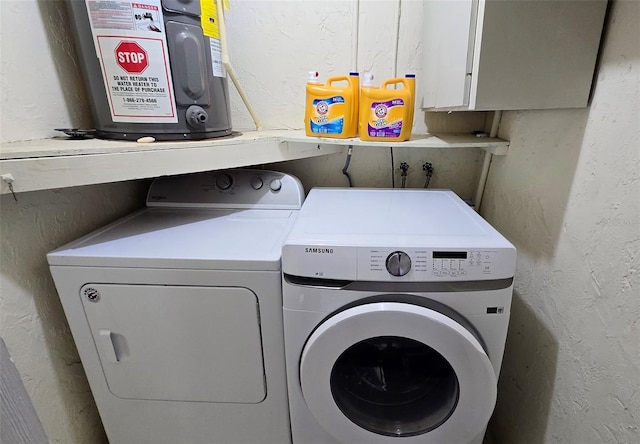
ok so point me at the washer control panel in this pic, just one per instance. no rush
(455, 264)
(432, 265)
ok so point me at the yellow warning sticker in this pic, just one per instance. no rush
(209, 18)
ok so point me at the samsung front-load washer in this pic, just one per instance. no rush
(396, 308)
(176, 310)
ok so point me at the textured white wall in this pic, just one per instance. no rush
(32, 322)
(371, 167)
(272, 46)
(39, 77)
(567, 195)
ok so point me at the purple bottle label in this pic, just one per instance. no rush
(386, 118)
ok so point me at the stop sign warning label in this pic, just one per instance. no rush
(131, 57)
(137, 79)
(131, 44)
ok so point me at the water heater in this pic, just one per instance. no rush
(152, 68)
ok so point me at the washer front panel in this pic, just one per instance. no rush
(476, 381)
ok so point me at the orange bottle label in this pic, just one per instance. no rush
(328, 115)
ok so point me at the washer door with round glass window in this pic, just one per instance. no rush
(388, 370)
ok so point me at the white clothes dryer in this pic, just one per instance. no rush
(396, 308)
(176, 310)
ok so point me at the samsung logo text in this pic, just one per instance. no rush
(319, 250)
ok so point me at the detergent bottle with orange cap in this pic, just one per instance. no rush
(332, 109)
(387, 114)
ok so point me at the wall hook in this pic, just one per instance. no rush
(8, 179)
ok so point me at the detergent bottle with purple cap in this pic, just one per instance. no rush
(386, 114)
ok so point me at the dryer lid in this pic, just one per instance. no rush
(184, 239)
(220, 220)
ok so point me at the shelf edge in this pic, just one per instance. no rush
(120, 161)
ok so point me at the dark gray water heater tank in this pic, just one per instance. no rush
(152, 68)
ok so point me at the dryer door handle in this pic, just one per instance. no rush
(108, 347)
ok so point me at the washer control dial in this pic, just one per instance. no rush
(224, 181)
(398, 263)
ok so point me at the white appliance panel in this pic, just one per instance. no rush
(382, 213)
(255, 189)
(185, 238)
(374, 300)
(184, 343)
(177, 343)
(348, 234)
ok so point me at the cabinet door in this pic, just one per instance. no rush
(532, 54)
(505, 55)
(448, 38)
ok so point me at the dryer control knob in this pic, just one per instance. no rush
(256, 183)
(275, 185)
(224, 181)
(398, 263)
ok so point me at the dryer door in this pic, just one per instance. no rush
(177, 343)
(383, 371)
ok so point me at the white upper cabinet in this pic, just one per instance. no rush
(515, 54)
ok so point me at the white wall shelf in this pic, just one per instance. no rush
(61, 162)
